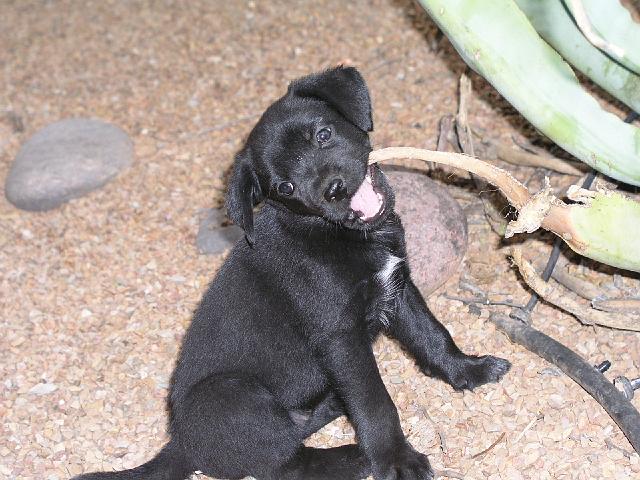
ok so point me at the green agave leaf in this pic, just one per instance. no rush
(609, 227)
(554, 23)
(614, 24)
(496, 40)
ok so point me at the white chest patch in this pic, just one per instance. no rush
(384, 275)
(389, 287)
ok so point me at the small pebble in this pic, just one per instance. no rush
(43, 389)
(556, 401)
(550, 372)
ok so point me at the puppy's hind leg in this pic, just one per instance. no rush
(231, 426)
(310, 421)
(340, 463)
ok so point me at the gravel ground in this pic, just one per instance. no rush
(95, 296)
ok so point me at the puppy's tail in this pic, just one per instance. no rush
(169, 464)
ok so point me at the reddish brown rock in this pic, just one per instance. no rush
(435, 226)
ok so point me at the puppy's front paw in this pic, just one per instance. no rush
(402, 463)
(475, 371)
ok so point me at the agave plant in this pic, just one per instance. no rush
(524, 48)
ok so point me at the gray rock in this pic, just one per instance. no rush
(213, 236)
(435, 227)
(66, 160)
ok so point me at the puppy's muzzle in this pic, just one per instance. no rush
(335, 191)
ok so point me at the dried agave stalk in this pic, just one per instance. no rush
(558, 296)
(605, 226)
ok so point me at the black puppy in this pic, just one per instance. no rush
(281, 342)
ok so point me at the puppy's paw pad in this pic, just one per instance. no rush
(404, 464)
(495, 368)
(480, 370)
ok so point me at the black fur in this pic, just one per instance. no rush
(281, 342)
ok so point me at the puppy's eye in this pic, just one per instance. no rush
(323, 135)
(286, 188)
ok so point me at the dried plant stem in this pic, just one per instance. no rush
(462, 124)
(558, 297)
(617, 305)
(541, 209)
(605, 226)
(583, 288)
(528, 155)
(490, 447)
(527, 428)
(464, 140)
(527, 159)
(516, 193)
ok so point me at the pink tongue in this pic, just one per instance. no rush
(365, 200)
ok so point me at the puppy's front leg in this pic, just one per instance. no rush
(433, 348)
(349, 361)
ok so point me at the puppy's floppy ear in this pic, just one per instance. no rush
(344, 89)
(243, 193)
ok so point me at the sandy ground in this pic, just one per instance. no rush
(96, 295)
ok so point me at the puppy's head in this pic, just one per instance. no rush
(309, 152)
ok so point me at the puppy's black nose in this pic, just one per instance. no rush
(335, 191)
